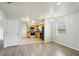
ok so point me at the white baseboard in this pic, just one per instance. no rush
(66, 45)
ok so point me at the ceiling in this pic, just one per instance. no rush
(37, 10)
(30, 9)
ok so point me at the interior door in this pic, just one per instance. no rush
(11, 33)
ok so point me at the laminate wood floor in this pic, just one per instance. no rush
(31, 40)
(39, 49)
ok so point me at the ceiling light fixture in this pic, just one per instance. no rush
(58, 3)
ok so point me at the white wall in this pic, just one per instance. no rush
(2, 18)
(71, 37)
(69, 13)
(53, 30)
(23, 33)
(47, 31)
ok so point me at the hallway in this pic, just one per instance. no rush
(43, 49)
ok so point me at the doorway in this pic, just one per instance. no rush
(32, 33)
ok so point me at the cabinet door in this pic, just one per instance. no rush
(11, 33)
